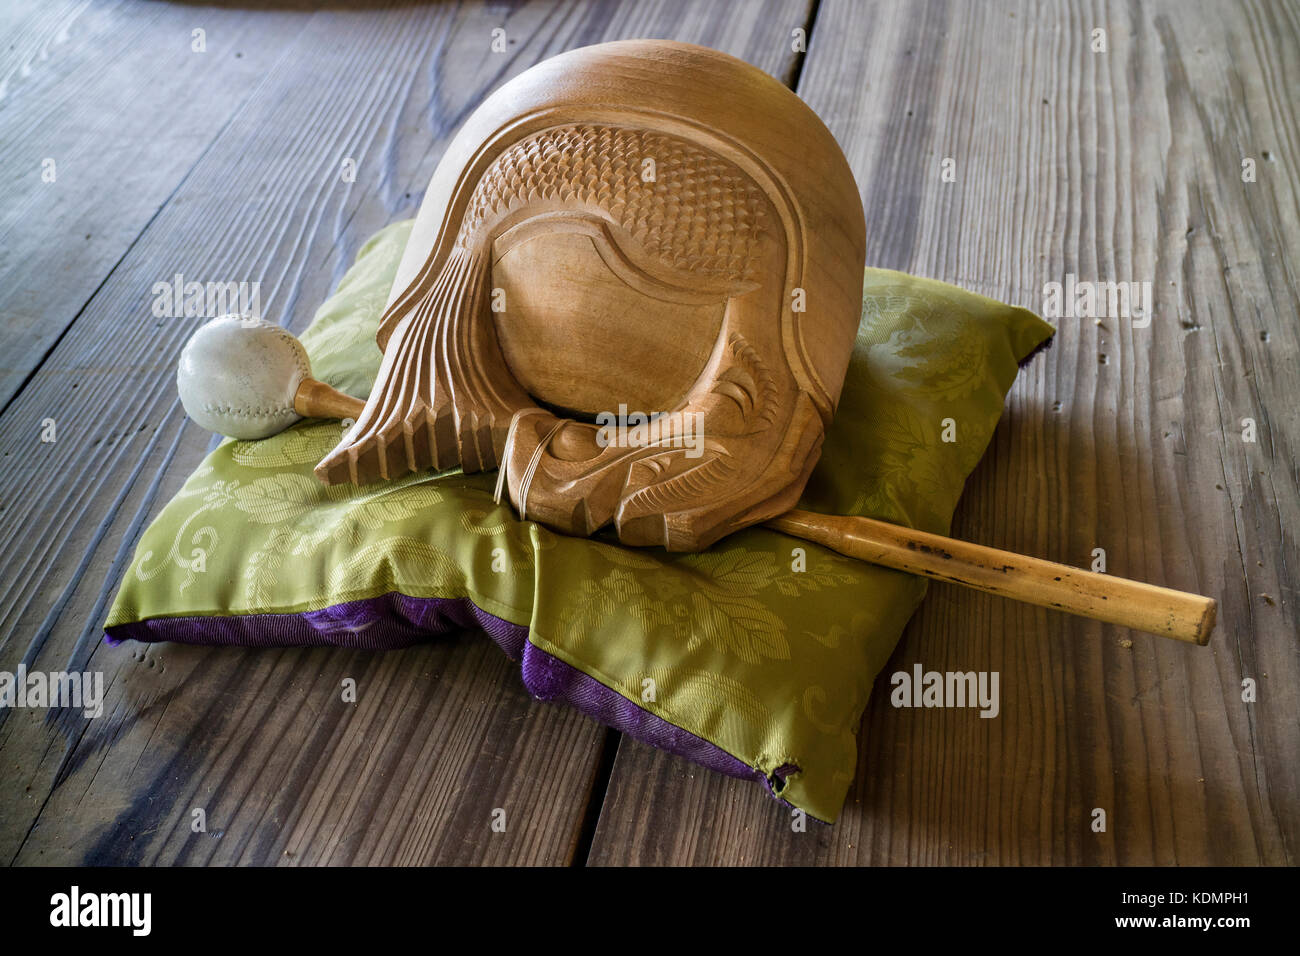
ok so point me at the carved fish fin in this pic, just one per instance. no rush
(435, 403)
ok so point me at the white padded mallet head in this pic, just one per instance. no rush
(245, 378)
(238, 376)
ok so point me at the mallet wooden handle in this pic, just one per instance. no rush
(1142, 607)
(317, 400)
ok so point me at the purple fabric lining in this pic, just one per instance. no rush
(395, 620)
(381, 623)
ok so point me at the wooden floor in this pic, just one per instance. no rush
(1123, 164)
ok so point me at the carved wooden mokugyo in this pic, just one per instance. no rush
(640, 226)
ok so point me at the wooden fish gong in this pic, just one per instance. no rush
(634, 285)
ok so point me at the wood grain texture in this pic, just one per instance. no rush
(286, 772)
(1124, 165)
(79, 90)
(261, 739)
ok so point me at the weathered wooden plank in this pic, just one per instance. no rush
(1124, 165)
(92, 144)
(261, 740)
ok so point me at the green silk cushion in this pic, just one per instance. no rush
(763, 648)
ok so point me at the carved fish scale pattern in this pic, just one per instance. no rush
(700, 214)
